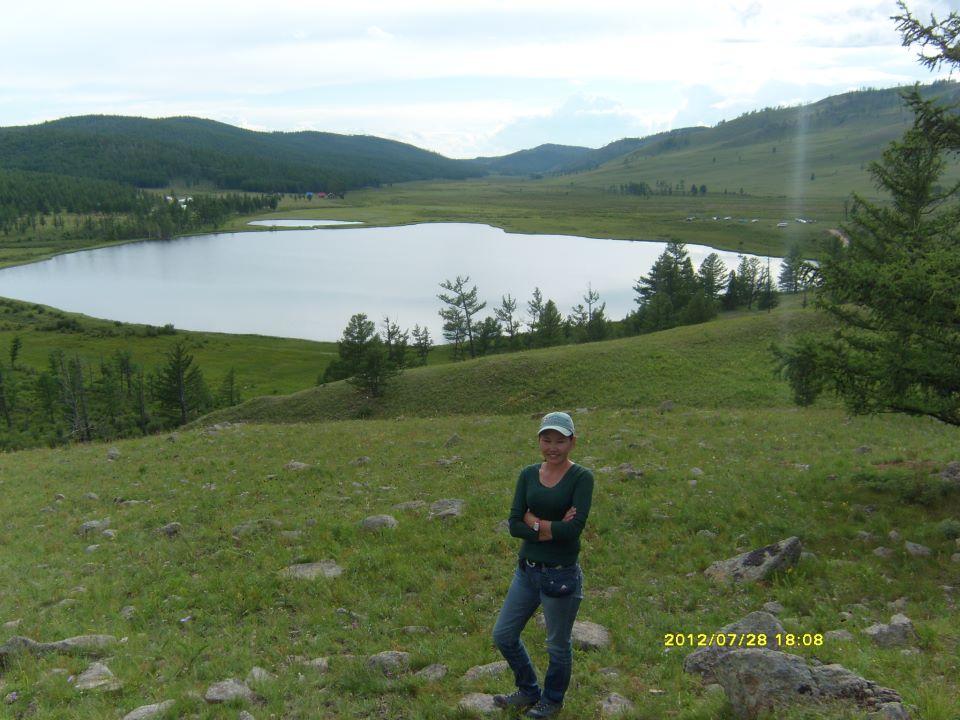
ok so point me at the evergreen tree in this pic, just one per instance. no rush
(791, 270)
(488, 335)
(179, 387)
(229, 393)
(375, 369)
(535, 310)
(458, 316)
(15, 345)
(356, 335)
(506, 315)
(767, 298)
(422, 343)
(549, 329)
(711, 276)
(396, 341)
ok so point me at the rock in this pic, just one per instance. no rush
(838, 635)
(696, 472)
(258, 674)
(757, 564)
(91, 526)
(11, 697)
(890, 711)
(479, 703)
(629, 471)
(320, 664)
(410, 505)
(432, 673)
(97, 677)
(244, 715)
(91, 548)
(416, 630)
(504, 527)
(898, 633)
(666, 406)
(774, 608)
(12, 624)
(955, 558)
(127, 612)
(113, 454)
(170, 529)
(446, 508)
(807, 556)
(109, 534)
(894, 536)
(446, 462)
(707, 534)
(917, 550)
(311, 571)
(452, 440)
(91, 496)
(295, 465)
(494, 669)
(588, 635)
(883, 552)
(89, 645)
(363, 460)
(951, 472)
(614, 704)
(291, 535)
(704, 660)
(227, 690)
(863, 450)
(252, 527)
(148, 711)
(59, 497)
(376, 522)
(867, 537)
(609, 672)
(898, 605)
(389, 661)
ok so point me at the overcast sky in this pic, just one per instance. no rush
(461, 77)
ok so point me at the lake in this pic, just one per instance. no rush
(307, 283)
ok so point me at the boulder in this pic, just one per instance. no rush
(614, 704)
(757, 564)
(171, 529)
(478, 703)
(898, 633)
(704, 660)
(376, 522)
(251, 527)
(97, 677)
(446, 508)
(494, 669)
(227, 690)
(311, 571)
(432, 673)
(88, 645)
(295, 465)
(148, 711)
(389, 661)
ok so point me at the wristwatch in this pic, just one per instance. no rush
(536, 526)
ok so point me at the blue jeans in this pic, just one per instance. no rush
(526, 593)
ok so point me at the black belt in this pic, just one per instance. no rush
(542, 565)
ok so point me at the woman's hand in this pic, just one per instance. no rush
(529, 519)
(570, 514)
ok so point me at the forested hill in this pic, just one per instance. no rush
(196, 152)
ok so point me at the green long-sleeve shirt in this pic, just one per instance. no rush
(575, 489)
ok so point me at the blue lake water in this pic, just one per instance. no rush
(307, 283)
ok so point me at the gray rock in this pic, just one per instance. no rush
(446, 462)
(898, 633)
(432, 673)
(320, 664)
(951, 472)
(109, 534)
(91, 548)
(757, 564)
(774, 608)
(666, 406)
(244, 715)
(588, 635)
(127, 612)
(59, 497)
(696, 472)
(494, 669)
(89, 645)
(389, 661)
(504, 527)
(258, 674)
(446, 508)
(629, 471)
(113, 454)
(97, 677)
(917, 550)
(12, 624)
(171, 529)
(91, 496)
(955, 558)
(227, 690)
(295, 465)
(704, 660)
(11, 697)
(894, 536)
(452, 440)
(609, 672)
(863, 450)
(898, 605)
(883, 552)
(890, 711)
(253, 527)
(91, 526)
(478, 703)
(614, 704)
(867, 537)
(410, 505)
(291, 535)
(363, 460)
(416, 630)
(148, 711)
(707, 534)
(313, 570)
(838, 635)
(377, 522)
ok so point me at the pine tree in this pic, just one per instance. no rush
(549, 330)
(506, 315)
(179, 387)
(462, 306)
(422, 343)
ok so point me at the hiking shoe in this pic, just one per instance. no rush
(543, 709)
(515, 700)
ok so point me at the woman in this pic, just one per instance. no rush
(549, 511)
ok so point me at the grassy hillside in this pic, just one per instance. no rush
(725, 363)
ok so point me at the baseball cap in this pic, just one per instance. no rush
(559, 421)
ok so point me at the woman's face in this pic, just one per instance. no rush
(555, 447)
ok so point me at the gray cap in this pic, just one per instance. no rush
(559, 421)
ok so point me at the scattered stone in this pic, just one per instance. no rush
(295, 465)
(12, 624)
(890, 711)
(808, 556)
(170, 529)
(588, 635)
(11, 697)
(363, 460)
(951, 472)
(452, 440)
(863, 450)
(97, 677)
(479, 703)
(227, 690)
(707, 534)
(696, 472)
(91, 496)
(838, 635)
(666, 406)
(609, 672)
(774, 608)
(894, 536)
(494, 669)
(127, 612)
(251, 527)
(446, 462)
(93, 526)
(291, 535)
(614, 704)
(258, 674)
(173, 437)
(244, 715)
(629, 471)
(757, 680)
(311, 571)
(898, 633)
(917, 550)
(446, 508)
(416, 630)
(148, 711)
(389, 661)
(113, 454)
(321, 664)
(504, 527)
(432, 673)
(59, 497)
(757, 564)
(109, 534)
(376, 522)
(91, 548)
(898, 605)
(883, 552)
(955, 558)
(704, 660)
(410, 505)
(867, 537)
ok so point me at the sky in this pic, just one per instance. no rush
(460, 77)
